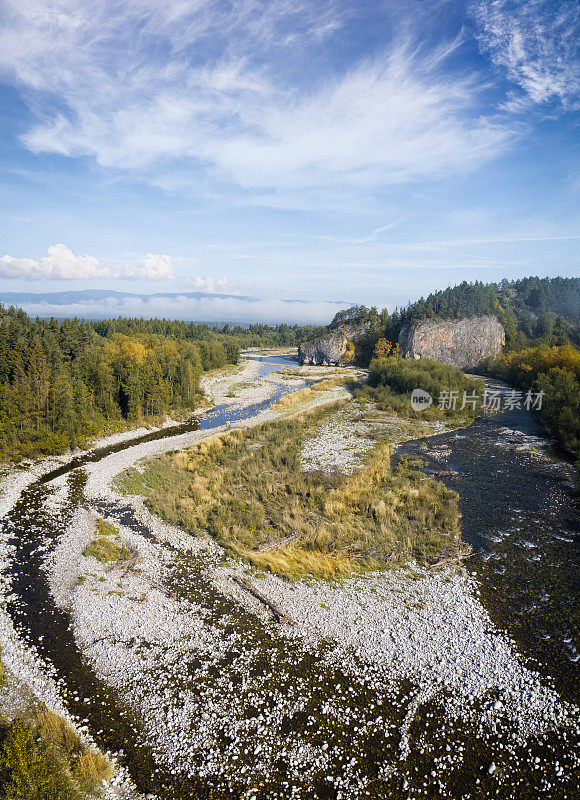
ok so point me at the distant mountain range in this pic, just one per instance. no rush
(190, 306)
(97, 295)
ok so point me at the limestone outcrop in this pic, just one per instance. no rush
(333, 349)
(461, 343)
(324, 351)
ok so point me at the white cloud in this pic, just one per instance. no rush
(201, 284)
(139, 87)
(154, 268)
(60, 263)
(207, 309)
(536, 42)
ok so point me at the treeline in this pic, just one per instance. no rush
(541, 318)
(255, 335)
(63, 383)
(530, 310)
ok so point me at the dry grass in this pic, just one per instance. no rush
(306, 370)
(304, 395)
(52, 726)
(91, 769)
(247, 489)
(327, 383)
(294, 399)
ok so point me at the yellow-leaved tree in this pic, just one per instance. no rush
(383, 349)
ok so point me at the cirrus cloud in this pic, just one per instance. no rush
(537, 42)
(220, 101)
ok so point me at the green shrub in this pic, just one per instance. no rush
(556, 372)
(393, 379)
(560, 410)
(32, 768)
(42, 758)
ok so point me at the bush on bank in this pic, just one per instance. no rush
(392, 379)
(42, 758)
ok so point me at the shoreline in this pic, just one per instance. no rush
(425, 645)
(430, 629)
(31, 679)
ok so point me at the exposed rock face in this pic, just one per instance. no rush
(325, 350)
(331, 348)
(461, 343)
(354, 330)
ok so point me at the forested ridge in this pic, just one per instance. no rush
(541, 319)
(530, 309)
(254, 335)
(63, 383)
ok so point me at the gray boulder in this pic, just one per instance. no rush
(324, 351)
(330, 349)
(461, 343)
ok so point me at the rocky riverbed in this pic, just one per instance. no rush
(31, 677)
(387, 684)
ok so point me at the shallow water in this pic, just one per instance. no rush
(521, 518)
(513, 503)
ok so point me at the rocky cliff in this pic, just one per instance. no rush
(325, 350)
(462, 343)
(333, 348)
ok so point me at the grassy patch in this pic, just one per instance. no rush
(105, 528)
(42, 758)
(294, 399)
(304, 395)
(236, 388)
(105, 550)
(300, 373)
(247, 489)
(105, 547)
(330, 383)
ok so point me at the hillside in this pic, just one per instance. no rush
(63, 383)
(541, 319)
(530, 309)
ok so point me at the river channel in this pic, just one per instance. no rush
(519, 515)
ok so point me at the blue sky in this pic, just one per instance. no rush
(360, 151)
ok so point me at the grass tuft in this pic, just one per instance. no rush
(104, 548)
(293, 399)
(91, 769)
(105, 528)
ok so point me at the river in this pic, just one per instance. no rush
(519, 515)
